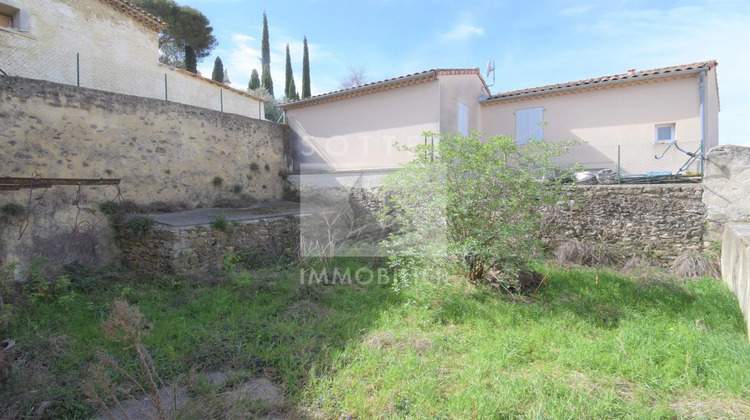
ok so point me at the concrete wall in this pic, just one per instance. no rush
(726, 187)
(359, 132)
(117, 54)
(735, 264)
(162, 151)
(625, 115)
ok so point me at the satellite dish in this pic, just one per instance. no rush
(490, 69)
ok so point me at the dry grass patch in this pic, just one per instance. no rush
(712, 407)
(695, 264)
(386, 340)
(575, 252)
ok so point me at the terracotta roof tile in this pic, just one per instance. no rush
(427, 75)
(138, 14)
(630, 76)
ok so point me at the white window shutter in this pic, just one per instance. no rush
(463, 119)
(529, 124)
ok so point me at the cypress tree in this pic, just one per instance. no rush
(266, 58)
(289, 74)
(293, 95)
(306, 72)
(191, 64)
(254, 81)
(218, 73)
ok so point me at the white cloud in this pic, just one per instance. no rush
(462, 32)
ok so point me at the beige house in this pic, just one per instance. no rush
(355, 129)
(638, 118)
(639, 114)
(108, 45)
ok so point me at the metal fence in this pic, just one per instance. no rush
(638, 159)
(120, 75)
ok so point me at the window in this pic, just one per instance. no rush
(463, 119)
(529, 124)
(6, 21)
(665, 133)
(13, 18)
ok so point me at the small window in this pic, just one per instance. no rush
(6, 21)
(665, 133)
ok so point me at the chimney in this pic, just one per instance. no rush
(631, 72)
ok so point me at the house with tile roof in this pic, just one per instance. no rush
(108, 45)
(633, 117)
(625, 120)
(356, 129)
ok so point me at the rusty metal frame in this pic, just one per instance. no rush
(15, 184)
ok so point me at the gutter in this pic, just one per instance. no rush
(358, 89)
(701, 70)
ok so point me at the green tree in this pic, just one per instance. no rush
(305, 71)
(191, 64)
(265, 60)
(187, 26)
(254, 81)
(289, 74)
(293, 94)
(474, 204)
(218, 73)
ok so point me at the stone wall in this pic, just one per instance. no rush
(162, 152)
(657, 220)
(726, 187)
(735, 264)
(201, 248)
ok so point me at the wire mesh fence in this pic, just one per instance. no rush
(118, 75)
(638, 159)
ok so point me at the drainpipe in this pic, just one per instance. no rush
(704, 126)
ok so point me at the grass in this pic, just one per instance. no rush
(581, 347)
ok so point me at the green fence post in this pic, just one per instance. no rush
(618, 164)
(166, 96)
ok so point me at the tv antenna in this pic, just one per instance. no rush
(490, 69)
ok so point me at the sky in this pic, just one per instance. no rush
(532, 43)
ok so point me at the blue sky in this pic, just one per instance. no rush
(532, 42)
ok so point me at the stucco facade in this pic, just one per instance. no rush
(356, 129)
(622, 112)
(107, 45)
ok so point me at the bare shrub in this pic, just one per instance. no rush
(695, 264)
(574, 252)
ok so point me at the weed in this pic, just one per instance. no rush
(254, 167)
(267, 167)
(264, 186)
(108, 172)
(109, 207)
(220, 223)
(574, 252)
(167, 171)
(236, 188)
(695, 264)
(217, 181)
(13, 210)
(138, 226)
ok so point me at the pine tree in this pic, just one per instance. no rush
(289, 74)
(265, 61)
(306, 72)
(218, 73)
(254, 81)
(191, 64)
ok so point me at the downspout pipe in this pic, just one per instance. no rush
(704, 126)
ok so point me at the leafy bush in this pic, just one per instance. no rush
(217, 181)
(138, 225)
(471, 204)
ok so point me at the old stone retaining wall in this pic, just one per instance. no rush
(656, 220)
(162, 151)
(201, 248)
(727, 187)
